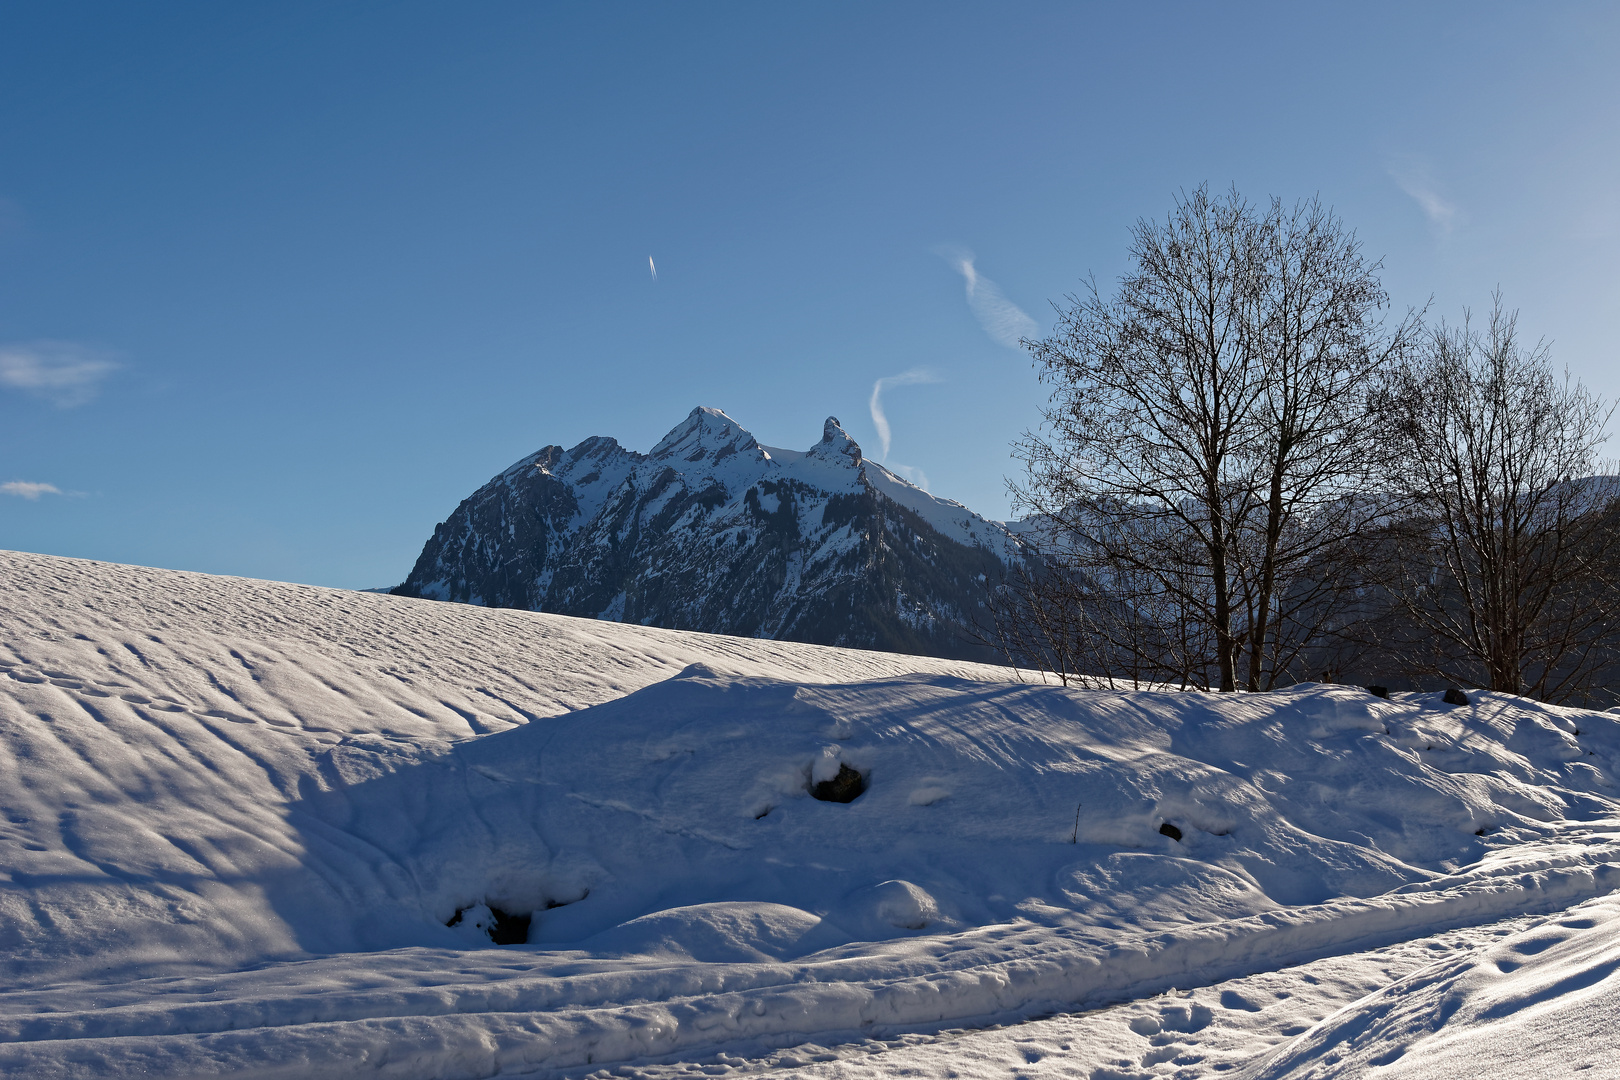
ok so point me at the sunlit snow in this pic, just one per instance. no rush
(241, 817)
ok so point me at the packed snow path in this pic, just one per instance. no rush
(238, 817)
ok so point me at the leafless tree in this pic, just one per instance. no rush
(1322, 349)
(1510, 565)
(1207, 436)
(1037, 620)
(1047, 615)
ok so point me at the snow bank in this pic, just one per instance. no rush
(164, 736)
(1543, 1002)
(239, 816)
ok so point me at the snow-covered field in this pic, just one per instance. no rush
(236, 818)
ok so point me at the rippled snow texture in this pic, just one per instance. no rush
(236, 817)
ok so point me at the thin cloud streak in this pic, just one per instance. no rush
(27, 489)
(1003, 320)
(1415, 178)
(653, 267)
(61, 372)
(880, 419)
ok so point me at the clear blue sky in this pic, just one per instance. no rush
(281, 283)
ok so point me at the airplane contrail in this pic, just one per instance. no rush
(880, 419)
(1002, 319)
(652, 267)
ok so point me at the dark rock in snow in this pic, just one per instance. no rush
(1455, 696)
(1378, 691)
(845, 787)
(1170, 830)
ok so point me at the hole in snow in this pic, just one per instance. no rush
(503, 927)
(1170, 830)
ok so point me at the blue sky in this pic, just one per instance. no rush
(280, 284)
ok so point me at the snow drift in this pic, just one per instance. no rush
(261, 829)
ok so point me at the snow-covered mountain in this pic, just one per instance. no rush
(712, 531)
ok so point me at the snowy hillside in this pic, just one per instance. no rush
(712, 531)
(255, 829)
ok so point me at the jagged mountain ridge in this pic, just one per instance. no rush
(712, 531)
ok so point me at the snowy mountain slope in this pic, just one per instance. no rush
(237, 817)
(712, 531)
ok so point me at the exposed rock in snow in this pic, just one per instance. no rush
(844, 786)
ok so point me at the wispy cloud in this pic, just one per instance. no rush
(1003, 320)
(880, 419)
(61, 372)
(1416, 178)
(653, 267)
(27, 489)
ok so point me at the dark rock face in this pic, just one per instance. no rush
(712, 531)
(1170, 830)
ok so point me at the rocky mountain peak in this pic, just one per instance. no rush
(712, 531)
(706, 435)
(836, 446)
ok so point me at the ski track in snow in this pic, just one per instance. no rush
(1206, 1031)
(236, 815)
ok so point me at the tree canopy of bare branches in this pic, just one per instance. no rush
(1205, 440)
(1507, 566)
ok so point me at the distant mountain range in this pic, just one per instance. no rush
(712, 531)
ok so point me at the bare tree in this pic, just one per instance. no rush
(1048, 615)
(1323, 349)
(1510, 565)
(1206, 434)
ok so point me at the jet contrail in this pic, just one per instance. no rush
(1413, 177)
(652, 267)
(880, 420)
(1002, 319)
